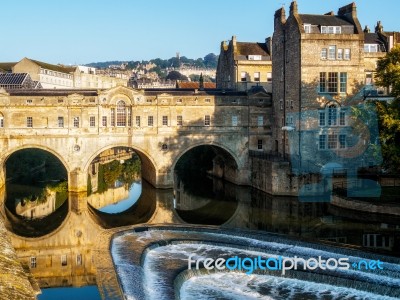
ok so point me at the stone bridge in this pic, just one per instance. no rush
(160, 126)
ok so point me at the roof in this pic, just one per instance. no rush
(325, 20)
(244, 48)
(12, 78)
(372, 38)
(195, 85)
(56, 68)
(7, 66)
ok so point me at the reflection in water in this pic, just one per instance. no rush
(36, 192)
(118, 197)
(114, 184)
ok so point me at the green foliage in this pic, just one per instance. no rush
(175, 75)
(388, 75)
(389, 124)
(109, 173)
(388, 71)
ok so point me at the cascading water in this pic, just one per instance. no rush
(153, 264)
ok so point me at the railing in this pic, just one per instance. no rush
(271, 156)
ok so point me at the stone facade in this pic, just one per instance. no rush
(244, 65)
(159, 125)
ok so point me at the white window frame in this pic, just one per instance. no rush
(234, 120)
(260, 121)
(307, 28)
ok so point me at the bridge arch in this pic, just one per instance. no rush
(149, 166)
(226, 163)
(5, 155)
(212, 144)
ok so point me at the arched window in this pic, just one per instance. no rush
(121, 113)
(332, 114)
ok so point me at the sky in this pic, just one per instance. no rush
(84, 31)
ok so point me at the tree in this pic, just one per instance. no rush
(210, 61)
(388, 76)
(175, 75)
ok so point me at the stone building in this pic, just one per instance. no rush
(62, 77)
(244, 65)
(319, 74)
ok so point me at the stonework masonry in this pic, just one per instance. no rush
(76, 126)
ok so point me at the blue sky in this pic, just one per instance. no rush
(83, 31)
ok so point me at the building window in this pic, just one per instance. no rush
(164, 147)
(113, 117)
(179, 101)
(207, 120)
(281, 104)
(322, 141)
(331, 29)
(63, 260)
(322, 119)
(343, 82)
(234, 120)
(1, 122)
(79, 259)
(259, 144)
(129, 111)
(138, 121)
(332, 52)
(33, 262)
(76, 122)
(61, 122)
(207, 100)
(340, 54)
(29, 101)
(324, 53)
(322, 82)
(104, 121)
(269, 77)
(371, 48)
(347, 54)
(260, 121)
(257, 76)
(243, 76)
(330, 83)
(291, 104)
(307, 28)
(150, 121)
(92, 121)
(342, 141)
(29, 122)
(368, 78)
(165, 120)
(121, 113)
(332, 115)
(179, 120)
(332, 141)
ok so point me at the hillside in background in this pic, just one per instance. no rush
(209, 61)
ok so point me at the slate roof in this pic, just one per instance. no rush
(56, 68)
(372, 38)
(324, 20)
(244, 48)
(7, 66)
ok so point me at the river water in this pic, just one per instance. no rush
(118, 196)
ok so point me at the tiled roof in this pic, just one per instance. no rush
(56, 68)
(195, 85)
(7, 66)
(325, 20)
(244, 48)
(12, 78)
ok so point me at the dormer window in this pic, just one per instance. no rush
(331, 29)
(371, 48)
(254, 57)
(307, 28)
